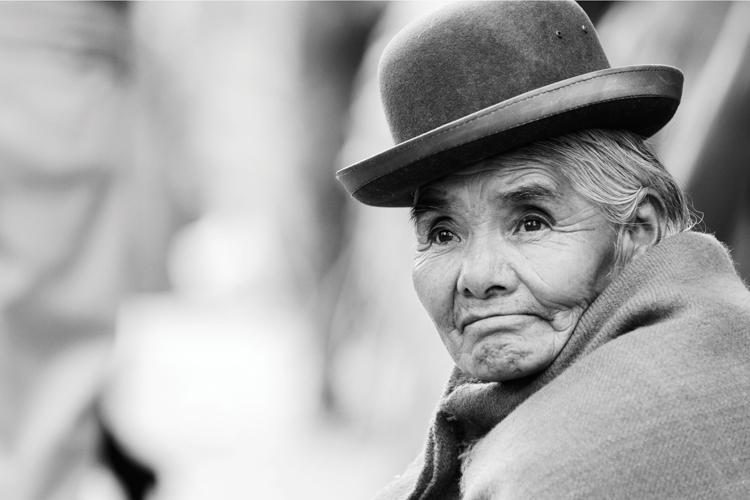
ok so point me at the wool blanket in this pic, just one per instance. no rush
(650, 397)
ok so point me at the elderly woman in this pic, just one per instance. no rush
(602, 349)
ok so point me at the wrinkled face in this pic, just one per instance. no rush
(507, 260)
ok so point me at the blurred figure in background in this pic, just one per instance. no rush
(334, 40)
(64, 71)
(217, 381)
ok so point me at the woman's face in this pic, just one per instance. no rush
(507, 260)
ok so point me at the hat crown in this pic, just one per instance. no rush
(469, 56)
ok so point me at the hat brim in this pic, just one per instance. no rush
(641, 99)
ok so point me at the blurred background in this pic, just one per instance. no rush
(190, 306)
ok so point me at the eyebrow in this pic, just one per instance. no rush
(529, 192)
(520, 195)
(427, 203)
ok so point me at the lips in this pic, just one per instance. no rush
(491, 322)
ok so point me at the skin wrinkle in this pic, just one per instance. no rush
(479, 211)
(612, 169)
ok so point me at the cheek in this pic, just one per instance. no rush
(570, 275)
(595, 262)
(434, 282)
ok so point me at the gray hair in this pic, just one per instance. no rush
(615, 170)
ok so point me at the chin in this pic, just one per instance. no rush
(495, 364)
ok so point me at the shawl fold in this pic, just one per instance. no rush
(681, 281)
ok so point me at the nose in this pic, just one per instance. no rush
(486, 269)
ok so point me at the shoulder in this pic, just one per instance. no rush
(627, 421)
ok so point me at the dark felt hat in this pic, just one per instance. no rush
(473, 80)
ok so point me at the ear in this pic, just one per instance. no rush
(646, 230)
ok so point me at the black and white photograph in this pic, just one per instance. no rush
(374, 250)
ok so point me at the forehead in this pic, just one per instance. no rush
(493, 179)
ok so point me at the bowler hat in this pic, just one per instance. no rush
(473, 80)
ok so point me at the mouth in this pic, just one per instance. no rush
(494, 321)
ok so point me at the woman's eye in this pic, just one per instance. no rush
(442, 236)
(532, 223)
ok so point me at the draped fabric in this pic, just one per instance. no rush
(650, 398)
